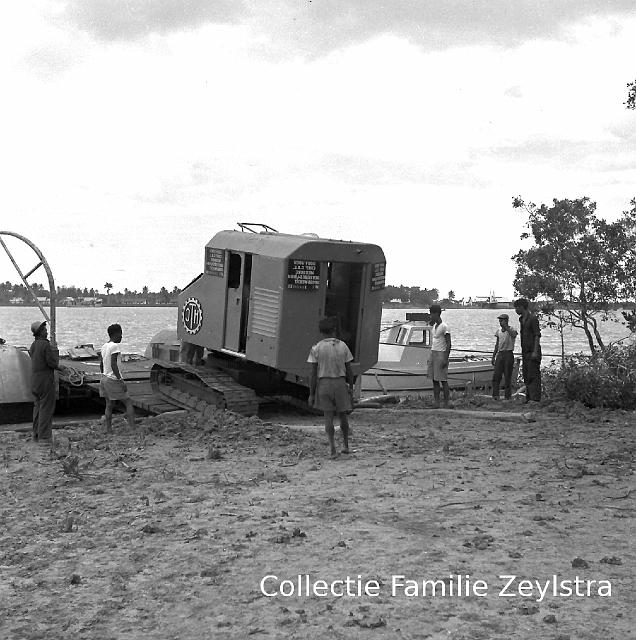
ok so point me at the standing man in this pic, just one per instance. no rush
(502, 357)
(530, 350)
(44, 362)
(331, 381)
(440, 353)
(112, 386)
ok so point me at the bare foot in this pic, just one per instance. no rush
(334, 455)
(345, 450)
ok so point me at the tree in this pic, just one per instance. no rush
(108, 286)
(451, 295)
(631, 95)
(581, 263)
(164, 295)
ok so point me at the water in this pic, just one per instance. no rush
(475, 329)
(470, 328)
(87, 325)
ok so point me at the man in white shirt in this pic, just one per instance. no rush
(502, 357)
(330, 382)
(440, 353)
(112, 386)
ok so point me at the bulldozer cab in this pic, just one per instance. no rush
(261, 296)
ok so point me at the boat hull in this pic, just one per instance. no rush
(16, 399)
(386, 378)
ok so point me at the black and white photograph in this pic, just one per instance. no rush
(318, 319)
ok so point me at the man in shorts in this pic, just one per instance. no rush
(112, 385)
(440, 353)
(331, 381)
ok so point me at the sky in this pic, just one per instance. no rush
(134, 130)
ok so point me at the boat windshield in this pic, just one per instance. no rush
(418, 338)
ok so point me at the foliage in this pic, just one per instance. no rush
(9, 291)
(410, 295)
(631, 95)
(605, 379)
(579, 262)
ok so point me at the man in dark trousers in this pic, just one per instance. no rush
(530, 350)
(44, 362)
(502, 357)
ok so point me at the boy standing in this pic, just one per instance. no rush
(502, 358)
(112, 385)
(440, 353)
(330, 382)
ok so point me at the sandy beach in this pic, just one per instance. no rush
(192, 528)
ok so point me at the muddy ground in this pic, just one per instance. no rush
(167, 532)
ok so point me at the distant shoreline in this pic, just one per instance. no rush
(88, 306)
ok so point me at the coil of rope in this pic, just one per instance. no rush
(73, 376)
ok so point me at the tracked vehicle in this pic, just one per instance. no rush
(255, 311)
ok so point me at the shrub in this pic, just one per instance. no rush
(602, 380)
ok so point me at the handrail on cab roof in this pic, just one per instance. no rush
(247, 226)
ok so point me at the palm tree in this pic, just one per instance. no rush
(108, 286)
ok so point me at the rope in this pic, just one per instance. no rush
(517, 355)
(73, 376)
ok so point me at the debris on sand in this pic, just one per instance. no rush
(579, 563)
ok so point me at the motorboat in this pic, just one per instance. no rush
(402, 368)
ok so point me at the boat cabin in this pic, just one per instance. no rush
(406, 343)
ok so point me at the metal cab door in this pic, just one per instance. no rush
(237, 301)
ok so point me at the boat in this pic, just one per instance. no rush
(492, 301)
(16, 399)
(402, 368)
(82, 352)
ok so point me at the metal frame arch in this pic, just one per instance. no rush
(50, 318)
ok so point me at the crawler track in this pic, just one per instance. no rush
(202, 388)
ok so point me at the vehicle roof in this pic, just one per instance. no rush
(283, 245)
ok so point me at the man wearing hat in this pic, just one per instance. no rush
(44, 362)
(502, 357)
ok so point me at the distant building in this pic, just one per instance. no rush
(91, 302)
(16, 301)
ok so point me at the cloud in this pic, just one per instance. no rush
(371, 172)
(320, 26)
(514, 92)
(50, 60)
(600, 155)
(117, 20)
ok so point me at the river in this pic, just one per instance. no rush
(470, 328)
